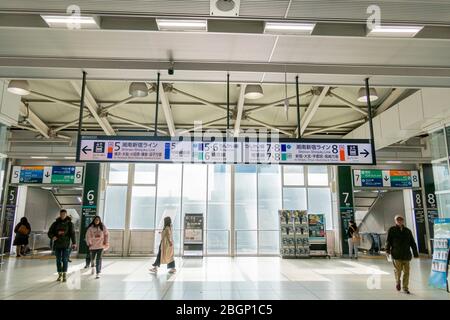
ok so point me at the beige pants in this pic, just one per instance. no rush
(402, 266)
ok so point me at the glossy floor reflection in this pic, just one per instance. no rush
(216, 278)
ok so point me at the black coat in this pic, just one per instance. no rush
(64, 231)
(21, 239)
(400, 242)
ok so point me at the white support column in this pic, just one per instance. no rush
(312, 109)
(240, 110)
(232, 220)
(167, 110)
(94, 108)
(34, 120)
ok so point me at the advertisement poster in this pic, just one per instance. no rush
(193, 228)
(441, 247)
(316, 226)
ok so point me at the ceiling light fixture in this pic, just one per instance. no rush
(289, 28)
(393, 161)
(394, 31)
(70, 158)
(19, 87)
(39, 157)
(182, 25)
(362, 95)
(72, 22)
(138, 89)
(253, 91)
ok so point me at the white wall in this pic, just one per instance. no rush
(41, 209)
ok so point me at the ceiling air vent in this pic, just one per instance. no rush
(225, 7)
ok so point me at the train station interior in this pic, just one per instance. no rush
(260, 128)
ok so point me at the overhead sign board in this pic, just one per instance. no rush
(377, 178)
(164, 149)
(47, 175)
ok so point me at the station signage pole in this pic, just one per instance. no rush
(369, 105)
(298, 107)
(80, 119)
(157, 105)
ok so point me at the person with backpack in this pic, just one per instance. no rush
(97, 239)
(353, 239)
(22, 231)
(400, 241)
(62, 232)
(166, 249)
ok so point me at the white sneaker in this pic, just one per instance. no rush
(93, 271)
(154, 270)
(97, 276)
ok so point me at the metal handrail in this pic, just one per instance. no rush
(2, 251)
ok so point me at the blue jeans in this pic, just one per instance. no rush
(97, 255)
(62, 259)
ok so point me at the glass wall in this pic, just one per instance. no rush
(439, 141)
(156, 191)
(308, 191)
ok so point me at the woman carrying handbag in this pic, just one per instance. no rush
(22, 231)
(353, 239)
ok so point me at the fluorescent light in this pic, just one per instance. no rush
(288, 28)
(394, 31)
(69, 158)
(393, 161)
(182, 25)
(79, 199)
(72, 22)
(19, 87)
(39, 157)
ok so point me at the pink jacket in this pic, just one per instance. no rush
(96, 238)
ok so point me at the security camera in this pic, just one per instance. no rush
(171, 70)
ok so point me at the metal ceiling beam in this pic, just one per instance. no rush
(239, 110)
(53, 99)
(269, 126)
(205, 102)
(270, 67)
(94, 108)
(348, 103)
(136, 124)
(389, 101)
(34, 120)
(275, 103)
(119, 103)
(203, 125)
(70, 124)
(167, 110)
(346, 124)
(312, 109)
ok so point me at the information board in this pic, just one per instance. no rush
(165, 149)
(377, 178)
(47, 175)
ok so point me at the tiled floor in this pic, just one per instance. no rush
(216, 278)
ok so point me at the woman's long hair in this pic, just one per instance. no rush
(167, 222)
(100, 224)
(25, 222)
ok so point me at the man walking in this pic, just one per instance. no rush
(62, 232)
(399, 243)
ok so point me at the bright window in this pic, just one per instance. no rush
(319, 202)
(115, 204)
(317, 176)
(143, 207)
(118, 173)
(145, 174)
(294, 175)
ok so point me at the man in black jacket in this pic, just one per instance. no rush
(62, 232)
(399, 243)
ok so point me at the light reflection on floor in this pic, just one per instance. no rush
(216, 278)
